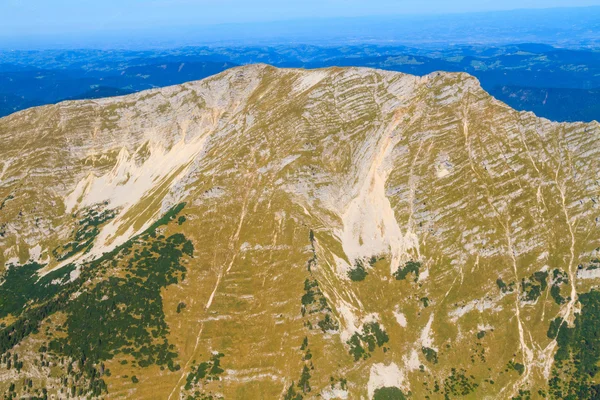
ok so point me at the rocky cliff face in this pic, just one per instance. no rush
(266, 233)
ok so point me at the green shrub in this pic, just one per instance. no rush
(409, 267)
(328, 324)
(358, 273)
(520, 368)
(555, 293)
(504, 288)
(430, 354)
(291, 393)
(388, 393)
(205, 371)
(372, 336)
(304, 382)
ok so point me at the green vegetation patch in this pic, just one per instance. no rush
(515, 366)
(533, 287)
(363, 344)
(388, 393)
(205, 371)
(125, 314)
(304, 382)
(409, 267)
(504, 288)
(313, 260)
(110, 314)
(303, 386)
(359, 272)
(558, 279)
(304, 345)
(295, 392)
(356, 348)
(578, 354)
(524, 395)
(555, 293)
(430, 354)
(291, 393)
(554, 327)
(458, 384)
(328, 324)
(22, 285)
(313, 300)
(341, 382)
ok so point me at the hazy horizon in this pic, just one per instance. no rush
(544, 25)
(67, 16)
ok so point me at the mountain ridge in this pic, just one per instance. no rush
(336, 232)
(142, 93)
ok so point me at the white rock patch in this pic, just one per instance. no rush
(347, 312)
(400, 317)
(588, 273)
(308, 79)
(382, 375)
(127, 183)
(369, 222)
(477, 304)
(442, 172)
(412, 361)
(334, 393)
(35, 253)
(427, 334)
(352, 322)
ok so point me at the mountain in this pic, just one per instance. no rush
(519, 74)
(25, 87)
(282, 233)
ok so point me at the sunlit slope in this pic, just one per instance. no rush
(266, 233)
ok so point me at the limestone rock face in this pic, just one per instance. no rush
(269, 233)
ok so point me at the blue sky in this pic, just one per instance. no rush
(26, 17)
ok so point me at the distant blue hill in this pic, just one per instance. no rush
(23, 86)
(100, 92)
(559, 104)
(556, 83)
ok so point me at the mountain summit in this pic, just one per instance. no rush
(279, 233)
